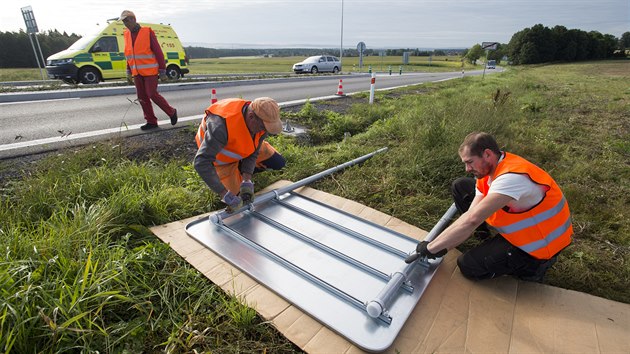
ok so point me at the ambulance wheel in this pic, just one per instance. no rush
(173, 72)
(89, 76)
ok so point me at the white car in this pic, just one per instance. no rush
(317, 64)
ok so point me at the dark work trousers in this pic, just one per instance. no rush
(495, 256)
(275, 162)
(146, 89)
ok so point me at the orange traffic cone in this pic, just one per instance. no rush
(213, 98)
(340, 89)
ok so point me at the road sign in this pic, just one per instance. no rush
(489, 45)
(361, 49)
(29, 19)
(31, 29)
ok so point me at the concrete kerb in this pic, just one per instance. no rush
(125, 90)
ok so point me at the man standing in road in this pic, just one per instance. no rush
(232, 146)
(516, 198)
(145, 60)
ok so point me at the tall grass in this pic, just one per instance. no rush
(80, 270)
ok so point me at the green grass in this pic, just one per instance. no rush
(21, 74)
(80, 270)
(350, 64)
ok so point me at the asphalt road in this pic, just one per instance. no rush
(32, 126)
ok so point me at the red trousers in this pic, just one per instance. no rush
(146, 89)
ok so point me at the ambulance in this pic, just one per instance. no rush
(101, 55)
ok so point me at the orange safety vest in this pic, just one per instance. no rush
(545, 229)
(140, 58)
(240, 143)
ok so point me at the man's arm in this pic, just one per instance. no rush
(480, 209)
(213, 142)
(248, 164)
(157, 50)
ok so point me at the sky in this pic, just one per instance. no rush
(319, 23)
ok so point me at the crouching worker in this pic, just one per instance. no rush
(516, 198)
(232, 147)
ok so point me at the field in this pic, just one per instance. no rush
(81, 271)
(350, 64)
(249, 65)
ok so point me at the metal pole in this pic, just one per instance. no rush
(381, 302)
(42, 56)
(341, 46)
(35, 53)
(485, 65)
(218, 217)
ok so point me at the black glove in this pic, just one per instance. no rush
(422, 251)
(233, 202)
(247, 192)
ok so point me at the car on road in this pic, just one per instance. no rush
(492, 64)
(317, 64)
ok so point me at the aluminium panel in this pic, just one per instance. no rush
(325, 261)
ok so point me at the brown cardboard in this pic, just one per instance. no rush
(454, 315)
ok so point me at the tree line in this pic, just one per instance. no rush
(17, 51)
(538, 44)
(541, 44)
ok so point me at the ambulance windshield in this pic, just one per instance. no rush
(82, 43)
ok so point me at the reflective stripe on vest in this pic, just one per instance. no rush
(541, 231)
(540, 244)
(140, 58)
(240, 144)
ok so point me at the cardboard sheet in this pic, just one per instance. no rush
(454, 315)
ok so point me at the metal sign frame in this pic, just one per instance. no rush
(344, 271)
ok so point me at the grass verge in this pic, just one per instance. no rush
(80, 271)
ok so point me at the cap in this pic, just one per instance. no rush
(268, 110)
(126, 14)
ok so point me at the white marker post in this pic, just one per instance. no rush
(373, 82)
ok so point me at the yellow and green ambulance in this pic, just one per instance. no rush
(101, 56)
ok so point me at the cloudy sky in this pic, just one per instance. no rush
(308, 23)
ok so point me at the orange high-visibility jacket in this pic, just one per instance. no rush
(140, 58)
(545, 229)
(240, 143)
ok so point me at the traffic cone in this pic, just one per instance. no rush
(213, 98)
(340, 89)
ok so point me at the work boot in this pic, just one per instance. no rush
(148, 126)
(174, 118)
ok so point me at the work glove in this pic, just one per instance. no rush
(247, 192)
(163, 74)
(129, 76)
(422, 251)
(233, 202)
